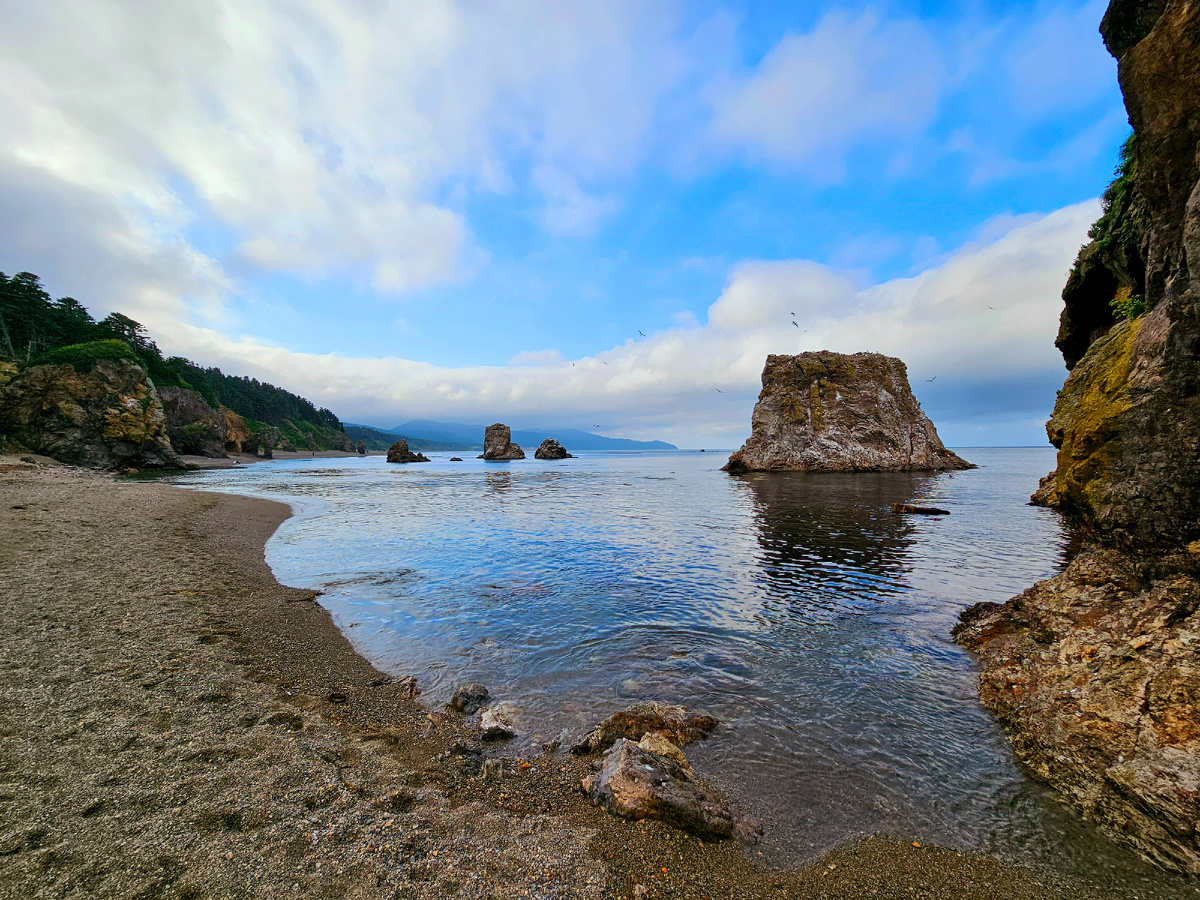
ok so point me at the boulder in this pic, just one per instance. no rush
(193, 426)
(551, 449)
(498, 445)
(832, 412)
(237, 432)
(468, 698)
(637, 781)
(399, 453)
(361, 448)
(676, 723)
(110, 417)
(495, 723)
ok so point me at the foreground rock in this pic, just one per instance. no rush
(110, 417)
(552, 449)
(1097, 677)
(1096, 673)
(831, 412)
(399, 453)
(498, 445)
(468, 698)
(652, 779)
(496, 723)
(676, 723)
(193, 426)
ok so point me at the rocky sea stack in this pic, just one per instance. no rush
(399, 453)
(552, 449)
(498, 445)
(832, 412)
(1096, 672)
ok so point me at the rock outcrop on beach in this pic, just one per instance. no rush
(832, 412)
(498, 445)
(109, 417)
(1096, 672)
(193, 426)
(399, 453)
(551, 449)
(237, 432)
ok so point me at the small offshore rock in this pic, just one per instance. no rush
(552, 449)
(676, 723)
(468, 698)
(399, 453)
(637, 783)
(498, 445)
(919, 510)
(495, 724)
(456, 459)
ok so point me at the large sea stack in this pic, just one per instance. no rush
(1096, 672)
(498, 445)
(832, 412)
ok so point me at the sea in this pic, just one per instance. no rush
(797, 608)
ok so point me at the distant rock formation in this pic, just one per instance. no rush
(498, 445)
(831, 412)
(110, 417)
(399, 453)
(361, 448)
(237, 432)
(551, 449)
(193, 426)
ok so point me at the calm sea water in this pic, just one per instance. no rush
(796, 608)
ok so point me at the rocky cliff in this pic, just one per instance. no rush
(830, 412)
(109, 416)
(193, 426)
(1096, 673)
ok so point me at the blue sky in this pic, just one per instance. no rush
(470, 211)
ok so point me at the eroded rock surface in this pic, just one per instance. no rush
(551, 449)
(399, 453)
(192, 425)
(108, 418)
(675, 723)
(652, 779)
(832, 412)
(1096, 674)
(498, 445)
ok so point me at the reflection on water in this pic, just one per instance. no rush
(797, 608)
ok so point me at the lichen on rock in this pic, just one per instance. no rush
(833, 412)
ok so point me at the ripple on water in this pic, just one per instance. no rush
(797, 608)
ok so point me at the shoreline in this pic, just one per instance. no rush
(182, 722)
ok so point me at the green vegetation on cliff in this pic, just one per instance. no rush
(36, 329)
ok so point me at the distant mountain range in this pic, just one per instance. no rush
(426, 434)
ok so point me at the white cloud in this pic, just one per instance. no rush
(982, 320)
(817, 95)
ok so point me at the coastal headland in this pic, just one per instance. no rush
(178, 724)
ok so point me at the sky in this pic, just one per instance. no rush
(598, 215)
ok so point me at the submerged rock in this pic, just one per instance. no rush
(468, 698)
(832, 412)
(498, 445)
(192, 425)
(676, 723)
(399, 453)
(110, 417)
(652, 779)
(552, 449)
(908, 508)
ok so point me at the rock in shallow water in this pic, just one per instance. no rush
(399, 453)
(833, 412)
(468, 698)
(498, 445)
(638, 782)
(676, 723)
(552, 449)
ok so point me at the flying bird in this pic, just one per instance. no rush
(934, 378)
(796, 324)
(719, 391)
(606, 364)
(642, 333)
(991, 307)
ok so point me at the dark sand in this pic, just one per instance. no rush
(175, 723)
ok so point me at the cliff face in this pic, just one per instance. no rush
(110, 417)
(193, 426)
(1096, 672)
(830, 412)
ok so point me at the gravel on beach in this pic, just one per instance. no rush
(174, 723)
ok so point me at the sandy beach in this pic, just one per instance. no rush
(175, 723)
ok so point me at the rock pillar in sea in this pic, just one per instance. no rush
(498, 445)
(833, 412)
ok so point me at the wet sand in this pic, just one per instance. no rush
(175, 723)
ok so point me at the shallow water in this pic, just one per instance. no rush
(796, 608)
